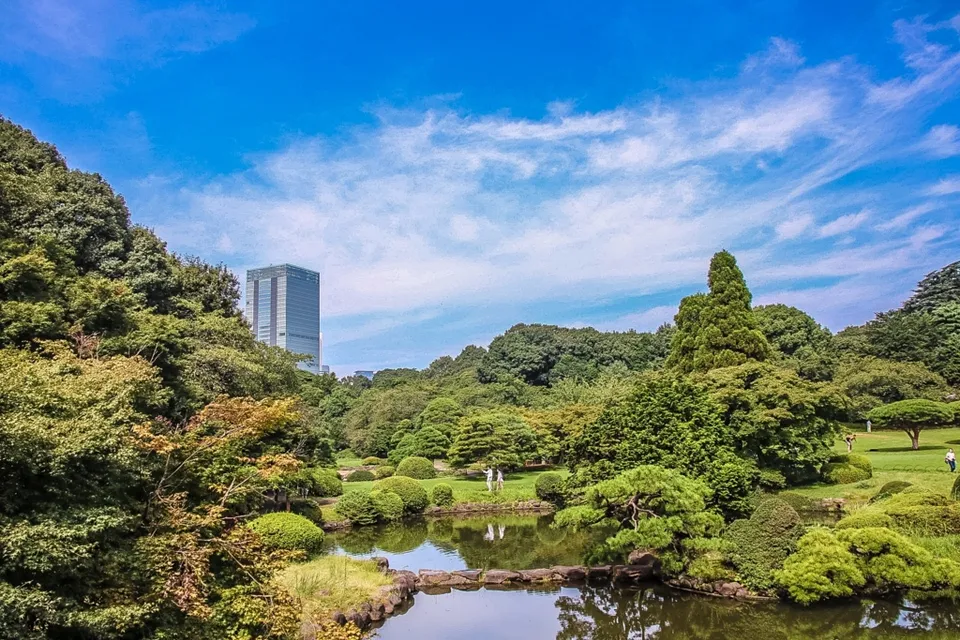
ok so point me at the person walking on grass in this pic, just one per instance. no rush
(489, 479)
(951, 460)
(499, 479)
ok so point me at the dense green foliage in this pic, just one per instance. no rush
(416, 467)
(411, 492)
(387, 504)
(442, 495)
(912, 416)
(718, 329)
(655, 509)
(287, 531)
(326, 484)
(357, 507)
(842, 473)
(759, 545)
(384, 471)
(360, 475)
(496, 439)
(551, 487)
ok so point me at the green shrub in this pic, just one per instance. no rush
(771, 479)
(371, 461)
(822, 567)
(383, 472)
(860, 461)
(416, 467)
(287, 531)
(414, 496)
(550, 486)
(308, 508)
(442, 495)
(360, 475)
(798, 501)
(759, 545)
(865, 518)
(357, 507)
(837, 473)
(926, 520)
(955, 491)
(889, 489)
(327, 483)
(839, 458)
(389, 506)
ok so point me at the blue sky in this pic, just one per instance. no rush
(452, 170)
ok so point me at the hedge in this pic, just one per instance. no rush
(370, 461)
(388, 505)
(383, 472)
(287, 531)
(357, 507)
(360, 475)
(414, 496)
(759, 545)
(863, 519)
(834, 473)
(442, 495)
(327, 483)
(416, 467)
(551, 486)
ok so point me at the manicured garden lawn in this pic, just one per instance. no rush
(893, 459)
(516, 486)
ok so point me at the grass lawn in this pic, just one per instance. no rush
(516, 486)
(332, 583)
(893, 459)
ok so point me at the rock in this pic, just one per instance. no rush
(383, 565)
(741, 593)
(431, 578)
(388, 608)
(395, 598)
(359, 618)
(601, 572)
(632, 573)
(339, 618)
(499, 576)
(473, 575)
(728, 589)
(536, 575)
(570, 573)
(639, 558)
(435, 590)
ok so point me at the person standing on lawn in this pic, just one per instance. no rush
(951, 460)
(850, 438)
(499, 479)
(489, 479)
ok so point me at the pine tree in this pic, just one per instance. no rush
(718, 329)
(430, 442)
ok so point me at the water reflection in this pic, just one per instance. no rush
(654, 612)
(504, 542)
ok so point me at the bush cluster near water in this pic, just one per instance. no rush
(411, 492)
(357, 507)
(760, 544)
(287, 531)
(442, 495)
(551, 487)
(416, 467)
(327, 483)
(847, 468)
(388, 505)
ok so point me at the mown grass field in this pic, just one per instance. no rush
(893, 459)
(516, 486)
(332, 583)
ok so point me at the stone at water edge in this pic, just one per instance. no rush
(728, 589)
(472, 575)
(429, 577)
(570, 573)
(499, 576)
(536, 575)
(640, 558)
(339, 618)
(599, 573)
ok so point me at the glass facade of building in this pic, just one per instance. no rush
(283, 308)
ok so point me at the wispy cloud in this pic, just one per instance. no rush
(943, 141)
(436, 209)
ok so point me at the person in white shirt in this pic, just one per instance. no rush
(489, 479)
(951, 460)
(499, 480)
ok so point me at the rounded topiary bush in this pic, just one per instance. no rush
(955, 491)
(383, 472)
(550, 486)
(416, 467)
(411, 492)
(863, 519)
(389, 506)
(835, 473)
(327, 483)
(357, 507)
(287, 531)
(361, 475)
(759, 545)
(890, 488)
(371, 461)
(442, 495)
(860, 461)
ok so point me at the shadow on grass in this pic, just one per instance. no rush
(927, 447)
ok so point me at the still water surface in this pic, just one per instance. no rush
(649, 612)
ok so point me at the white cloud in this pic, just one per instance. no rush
(843, 224)
(438, 207)
(780, 53)
(946, 187)
(943, 141)
(793, 227)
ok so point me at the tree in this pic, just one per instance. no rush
(912, 416)
(493, 438)
(777, 419)
(442, 414)
(718, 329)
(655, 509)
(789, 329)
(871, 382)
(936, 289)
(430, 442)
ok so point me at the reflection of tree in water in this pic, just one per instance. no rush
(656, 613)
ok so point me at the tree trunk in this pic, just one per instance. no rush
(915, 438)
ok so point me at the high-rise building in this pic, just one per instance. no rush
(283, 307)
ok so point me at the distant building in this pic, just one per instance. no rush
(366, 374)
(283, 307)
(324, 368)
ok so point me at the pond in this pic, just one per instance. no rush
(655, 612)
(485, 542)
(649, 612)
